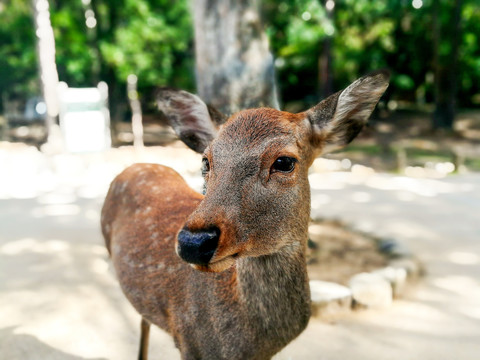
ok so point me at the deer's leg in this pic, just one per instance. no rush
(144, 336)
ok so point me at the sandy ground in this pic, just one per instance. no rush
(60, 300)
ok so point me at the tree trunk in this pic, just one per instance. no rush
(47, 65)
(446, 36)
(136, 107)
(325, 60)
(234, 66)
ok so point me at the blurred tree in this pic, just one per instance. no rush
(18, 62)
(296, 30)
(325, 61)
(47, 65)
(76, 61)
(110, 39)
(234, 66)
(323, 45)
(148, 38)
(469, 55)
(363, 35)
(447, 35)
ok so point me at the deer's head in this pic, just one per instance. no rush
(255, 164)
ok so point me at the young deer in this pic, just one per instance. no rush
(238, 288)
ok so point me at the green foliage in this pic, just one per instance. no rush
(296, 30)
(153, 42)
(75, 55)
(18, 63)
(470, 53)
(152, 39)
(363, 40)
(367, 35)
(361, 33)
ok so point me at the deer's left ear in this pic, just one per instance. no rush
(338, 119)
(195, 123)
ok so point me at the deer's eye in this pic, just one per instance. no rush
(205, 166)
(283, 164)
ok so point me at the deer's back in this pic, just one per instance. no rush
(144, 209)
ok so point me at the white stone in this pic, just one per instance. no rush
(396, 276)
(411, 266)
(371, 290)
(329, 298)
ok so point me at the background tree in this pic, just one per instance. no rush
(112, 39)
(234, 67)
(325, 61)
(342, 39)
(46, 62)
(18, 61)
(446, 35)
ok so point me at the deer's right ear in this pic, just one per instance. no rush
(194, 122)
(338, 119)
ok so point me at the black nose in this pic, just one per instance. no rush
(198, 247)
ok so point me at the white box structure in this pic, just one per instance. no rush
(84, 118)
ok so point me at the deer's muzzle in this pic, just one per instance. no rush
(197, 247)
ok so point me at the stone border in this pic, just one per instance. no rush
(375, 289)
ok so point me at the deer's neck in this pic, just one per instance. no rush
(275, 290)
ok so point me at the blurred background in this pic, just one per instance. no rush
(77, 105)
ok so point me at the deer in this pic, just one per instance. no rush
(224, 272)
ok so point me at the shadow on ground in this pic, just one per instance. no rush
(28, 347)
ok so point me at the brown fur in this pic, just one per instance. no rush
(252, 298)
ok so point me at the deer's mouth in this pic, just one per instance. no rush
(207, 249)
(218, 265)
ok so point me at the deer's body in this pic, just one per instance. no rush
(144, 259)
(238, 288)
